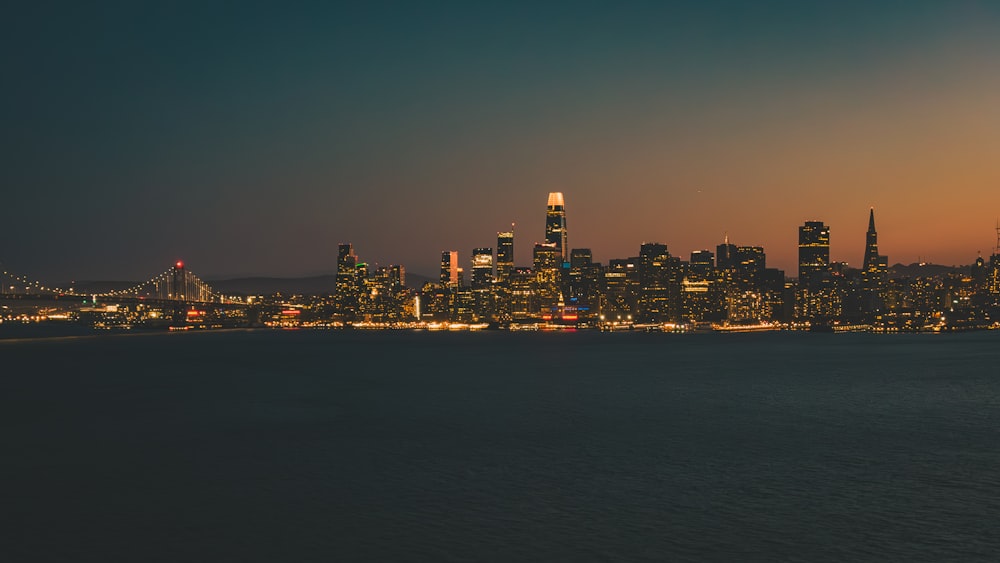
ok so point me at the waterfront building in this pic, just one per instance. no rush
(621, 290)
(657, 277)
(523, 305)
(547, 261)
(582, 285)
(436, 302)
(702, 288)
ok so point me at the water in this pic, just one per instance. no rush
(299, 446)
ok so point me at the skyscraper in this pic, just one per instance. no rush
(702, 263)
(874, 272)
(750, 265)
(547, 261)
(814, 253)
(449, 268)
(555, 223)
(346, 261)
(348, 282)
(658, 276)
(871, 247)
(482, 268)
(505, 254)
(725, 255)
(581, 258)
(482, 282)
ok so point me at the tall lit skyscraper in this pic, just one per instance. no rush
(397, 276)
(505, 254)
(725, 255)
(814, 253)
(555, 223)
(349, 283)
(656, 274)
(449, 268)
(482, 268)
(750, 266)
(871, 247)
(876, 266)
(874, 272)
(346, 263)
(482, 284)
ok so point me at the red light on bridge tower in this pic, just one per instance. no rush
(179, 282)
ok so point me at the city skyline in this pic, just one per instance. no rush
(732, 289)
(254, 139)
(522, 254)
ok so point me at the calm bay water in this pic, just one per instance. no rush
(320, 446)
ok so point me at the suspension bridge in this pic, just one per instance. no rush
(176, 285)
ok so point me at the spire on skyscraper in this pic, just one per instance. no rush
(871, 246)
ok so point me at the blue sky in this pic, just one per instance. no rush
(254, 137)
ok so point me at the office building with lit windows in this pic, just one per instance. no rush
(555, 224)
(449, 268)
(505, 255)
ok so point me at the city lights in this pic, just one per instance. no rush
(729, 290)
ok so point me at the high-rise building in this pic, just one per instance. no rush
(993, 283)
(581, 258)
(871, 246)
(979, 272)
(547, 262)
(348, 284)
(449, 268)
(750, 265)
(657, 277)
(702, 263)
(546, 256)
(621, 290)
(482, 284)
(346, 261)
(482, 268)
(814, 254)
(702, 295)
(555, 223)
(582, 286)
(505, 254)
(397, 277)
(725, 255)
(874, 272)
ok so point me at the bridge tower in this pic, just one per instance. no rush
(179, 282)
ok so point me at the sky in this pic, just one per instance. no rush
(253, 137)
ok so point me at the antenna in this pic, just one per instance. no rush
(996, 249)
